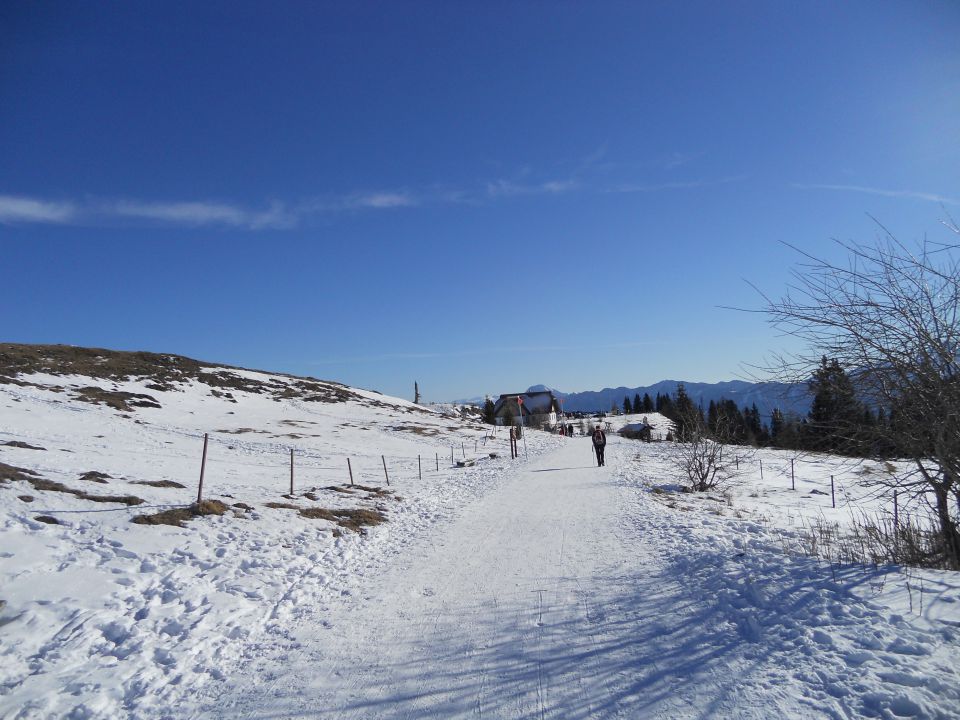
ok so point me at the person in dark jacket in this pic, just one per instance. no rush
(599, 443)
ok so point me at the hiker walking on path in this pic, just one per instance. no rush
(599, 443)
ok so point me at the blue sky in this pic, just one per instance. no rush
(476, 196)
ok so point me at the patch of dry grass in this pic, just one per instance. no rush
(95, 476)
(417, 430)
(22, 445)
(8, 472)
(178, 516)
(158, 483)
(116, 399)
(356, 520)
(12, 472)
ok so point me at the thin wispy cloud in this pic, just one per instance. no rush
(29, 210)
(279, 215)
(676, 185)
(382, 200)
(198, 214)
(679, 159)
(928, 197)
(509, 188)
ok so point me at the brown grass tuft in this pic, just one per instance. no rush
(95, 476)
(22, 445)
(47, 519)
(282, 506)
(11, 472)
(356, 520)
(158, 483)
(178, 516)
(209, 507)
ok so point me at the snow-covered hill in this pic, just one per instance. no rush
(105, 617)
(441, 582)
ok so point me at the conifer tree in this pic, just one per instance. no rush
(489, 414)
(835, 414)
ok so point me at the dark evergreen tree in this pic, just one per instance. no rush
(835, 417)
(686, 416)
(647, 403)
(489, 416)
(637, 404)
(627, 407)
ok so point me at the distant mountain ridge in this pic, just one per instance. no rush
(790, 398)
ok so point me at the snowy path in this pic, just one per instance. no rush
(521, 609)
(566, 594)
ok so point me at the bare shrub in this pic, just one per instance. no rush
(875, 540)
(889, 316)
(700, 458)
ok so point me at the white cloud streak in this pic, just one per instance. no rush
(198, 214)
(508, 188)
(29, 210)
(928, 197)
(677, 185)
(282, 216)
(383, 200)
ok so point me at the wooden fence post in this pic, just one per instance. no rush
(896, 512)
(385, 470)
(463, 448)
(438, 462)
(419, 468)
(291, 471)
(203, 465)
(833, 497)
(761, 468)
(350, 470)
(793, 482)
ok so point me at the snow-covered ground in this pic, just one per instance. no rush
(542, 587)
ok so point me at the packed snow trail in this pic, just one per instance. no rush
(565, 593)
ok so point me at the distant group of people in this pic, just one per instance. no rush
(598, 437)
